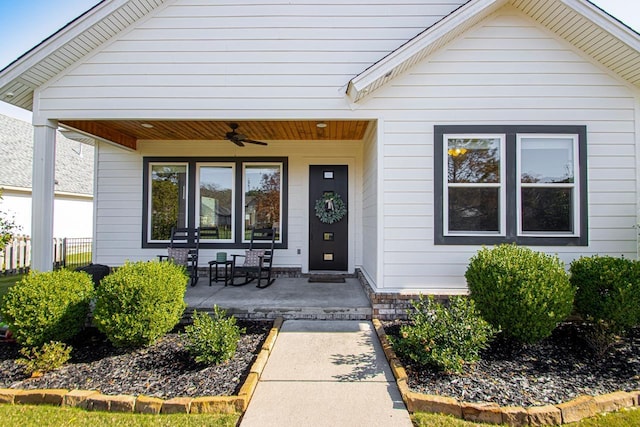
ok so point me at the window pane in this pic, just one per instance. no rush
(547, 209)
(216, 199)
(168, 199)
(547, 160)
(474, 209)
(262, 198)
(473, 160)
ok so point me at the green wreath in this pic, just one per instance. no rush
(330, 208)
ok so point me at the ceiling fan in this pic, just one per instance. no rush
(238, 138)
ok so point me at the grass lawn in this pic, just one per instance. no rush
(43, 415)
(624, 418)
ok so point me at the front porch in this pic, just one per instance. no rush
(290, 298)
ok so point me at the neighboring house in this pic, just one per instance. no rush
(73, 211)
(443, 126)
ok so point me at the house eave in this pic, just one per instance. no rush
(68, 45)
(622, 39)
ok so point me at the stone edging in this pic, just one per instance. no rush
(567, 412)
(95, 401)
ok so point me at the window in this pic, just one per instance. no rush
(234, 195)
(499, 184)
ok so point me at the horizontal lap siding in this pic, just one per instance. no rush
(274, 59)
(505, 71)
(120, 203)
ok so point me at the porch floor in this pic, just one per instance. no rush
(290, 298)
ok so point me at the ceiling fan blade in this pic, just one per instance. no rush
(251, 141)
(237, 142)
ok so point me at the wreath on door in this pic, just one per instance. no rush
(330, 208)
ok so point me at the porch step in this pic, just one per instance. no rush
(294, 313)
(290, 298)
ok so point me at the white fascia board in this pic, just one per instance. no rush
(63, 36)
(423, 40)
(606, 22)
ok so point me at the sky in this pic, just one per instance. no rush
(25, 23)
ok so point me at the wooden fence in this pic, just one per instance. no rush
(67, 252)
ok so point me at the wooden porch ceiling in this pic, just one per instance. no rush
(128, 132)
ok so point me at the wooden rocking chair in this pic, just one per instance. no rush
(256, 262)
(183, 250)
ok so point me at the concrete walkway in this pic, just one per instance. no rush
(326, 373)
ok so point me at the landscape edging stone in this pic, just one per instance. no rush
(571, 411)
(95, 401)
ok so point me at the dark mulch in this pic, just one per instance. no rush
(162, 370)
(558, 369)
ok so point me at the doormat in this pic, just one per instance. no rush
(326, 279)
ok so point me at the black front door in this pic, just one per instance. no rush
(328, 217)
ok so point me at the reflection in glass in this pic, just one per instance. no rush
(547, 160)
(474, 209)
(473, 160)
(547, 209)
(168, 201)
(216, 196)
(262, 202)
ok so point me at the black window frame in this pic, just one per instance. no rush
(510, 133)
(192, 163)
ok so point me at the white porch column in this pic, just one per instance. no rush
(42, 185)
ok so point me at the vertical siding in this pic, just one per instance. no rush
(505, 71)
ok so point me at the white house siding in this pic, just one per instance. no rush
(120, 204)
(507, 70)
(73, 215)
(207, 59)
(370, 204)
(291, 60)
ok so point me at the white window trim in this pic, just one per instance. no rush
(150, 198)
(280, 165)
(575, 185)
(502, 185)
(200, 165)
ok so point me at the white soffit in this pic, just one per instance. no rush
(580, 22)
(67, 46)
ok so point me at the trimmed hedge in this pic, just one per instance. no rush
(140, 302)
(608, 291)
(523, 293)
(49, 306)
(212, 339)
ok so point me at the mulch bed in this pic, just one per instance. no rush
(163, 370)
(558, 369)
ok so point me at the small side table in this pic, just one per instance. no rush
(214, 275)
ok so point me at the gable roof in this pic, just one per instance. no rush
(580, 22)
(74, 160)
(68, 45)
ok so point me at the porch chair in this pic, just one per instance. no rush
(183, 250)
(256, 262)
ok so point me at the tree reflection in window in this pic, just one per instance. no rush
(473, 174)
(262, 198)
(168, 206)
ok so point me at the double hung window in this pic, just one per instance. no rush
(522, 184)
(233, 195)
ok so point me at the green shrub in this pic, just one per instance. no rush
(49, 357)
(446, 337)
(608, 297)
(51, 306)
(212, 339)
(523, 293)
(140, 302)
(608, 290)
